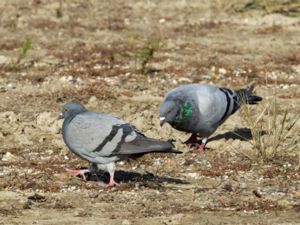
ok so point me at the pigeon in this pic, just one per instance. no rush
(103, 139)
(201, 108)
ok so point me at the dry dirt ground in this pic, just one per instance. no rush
(121, 57)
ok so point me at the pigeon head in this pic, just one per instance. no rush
(169, 110)
(70, 109)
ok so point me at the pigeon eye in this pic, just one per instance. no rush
(66, 110)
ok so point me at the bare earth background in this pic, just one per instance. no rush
(100, 53)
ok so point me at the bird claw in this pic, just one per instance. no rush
(201, 148)
(81, 172)
(111, 184)
(193, 141)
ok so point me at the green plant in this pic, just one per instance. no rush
(273, 131)
(24, 50)
(146, 54)
(58, 9)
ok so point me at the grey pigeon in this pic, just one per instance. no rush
(103, 139)
(201, 108)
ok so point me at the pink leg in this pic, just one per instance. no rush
(192, 139)
(112, 182)
(201, 148)
(75, 172)
(202, 145)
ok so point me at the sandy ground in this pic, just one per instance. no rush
(93, 52)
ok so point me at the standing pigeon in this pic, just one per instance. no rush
(103, 139)
(201, 108)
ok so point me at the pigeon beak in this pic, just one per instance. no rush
(60, 116)
(162, 121)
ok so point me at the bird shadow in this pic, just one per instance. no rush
(148, 179)
(242, 134)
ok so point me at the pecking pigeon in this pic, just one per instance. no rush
(201, 108)
(103, 139)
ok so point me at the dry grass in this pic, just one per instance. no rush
(285, 7)
(274, 133)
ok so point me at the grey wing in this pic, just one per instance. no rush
(100, 135)
(232, 102)
(216, 105)
(88, 132)
(97, 136)
(131, 141)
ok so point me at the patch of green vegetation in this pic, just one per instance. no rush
(58, 10)
(146, 54)
(24, 50)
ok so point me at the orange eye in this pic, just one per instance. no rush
(66, 110)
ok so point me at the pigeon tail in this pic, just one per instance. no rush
(166, 147)
(158, 147)
(153, 145)
(144, 145)
(245, 96)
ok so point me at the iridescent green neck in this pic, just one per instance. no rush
(187, 110)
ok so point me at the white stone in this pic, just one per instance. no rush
(4, 60)
(9, 157)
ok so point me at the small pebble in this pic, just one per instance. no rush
(93, 194)
(9, 157)
(126, 222)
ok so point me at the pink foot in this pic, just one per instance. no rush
(201, 148)
(75, 172)
(111, 183)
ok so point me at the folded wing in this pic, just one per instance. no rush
(102, 135)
